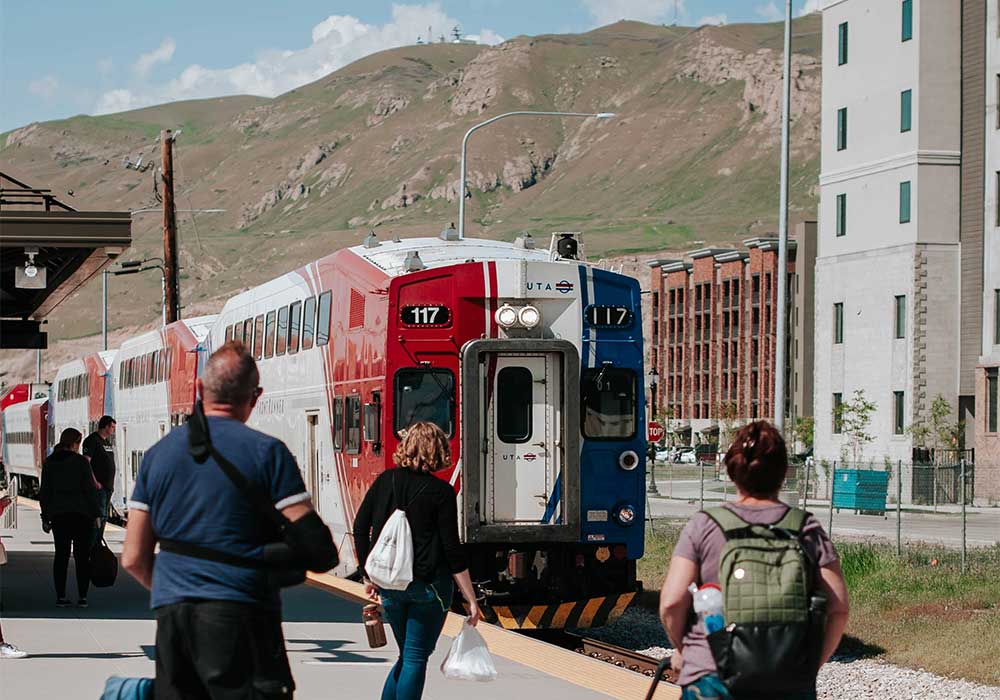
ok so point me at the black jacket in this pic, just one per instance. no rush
(67, 486)
(431, 511)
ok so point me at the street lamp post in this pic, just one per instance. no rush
(652, 381)
(134, 267)
(480, 125)
(781, 332)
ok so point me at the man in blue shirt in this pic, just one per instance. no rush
(218, 623)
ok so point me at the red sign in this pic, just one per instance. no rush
(655, 432)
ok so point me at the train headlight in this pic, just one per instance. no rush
(628, 460)
(625, 515)
(529, 316)
(506, 316)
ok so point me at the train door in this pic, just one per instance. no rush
(520, 440)
(312, 456)
(523, 457)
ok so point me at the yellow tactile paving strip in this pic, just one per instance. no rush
(552, 660)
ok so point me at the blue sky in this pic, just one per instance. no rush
(61, 58)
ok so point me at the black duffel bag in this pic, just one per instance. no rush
(103, 565)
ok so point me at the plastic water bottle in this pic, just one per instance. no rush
(708, 606)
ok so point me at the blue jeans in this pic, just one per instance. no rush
(416, 616)
(711, 688)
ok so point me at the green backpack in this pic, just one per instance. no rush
(774, 619)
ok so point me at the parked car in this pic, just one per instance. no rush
(664, 454)
(685, 456)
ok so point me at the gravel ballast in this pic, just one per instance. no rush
(843, 678)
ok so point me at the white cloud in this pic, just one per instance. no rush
(711, 19)
(487, 36)
(161, 54)
(336, 41)
(46, 87)
(770, 12)
(809, 6)
(652, 11)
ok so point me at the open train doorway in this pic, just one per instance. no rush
(520, 448)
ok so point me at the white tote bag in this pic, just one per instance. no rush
(390, 563)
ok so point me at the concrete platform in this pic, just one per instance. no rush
(72, 651)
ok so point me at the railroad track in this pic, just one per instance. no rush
(603, 651)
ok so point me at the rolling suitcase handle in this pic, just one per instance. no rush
(660, 669)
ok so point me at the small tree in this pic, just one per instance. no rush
(947, 433)
(855, 418)
(805, 431)
(728, 423)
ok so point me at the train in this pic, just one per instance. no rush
(529, 358)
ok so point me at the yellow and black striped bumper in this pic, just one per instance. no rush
(580, 613)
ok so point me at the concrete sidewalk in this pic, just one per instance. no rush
(72, 651)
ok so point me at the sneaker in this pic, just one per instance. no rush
(9, 651)
(63, 603)
(82, 603)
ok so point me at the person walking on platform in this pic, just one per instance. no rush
(207, 493)
(417, 614)
(99, 451)
(764, 581)
(7, 650)
(69, 502)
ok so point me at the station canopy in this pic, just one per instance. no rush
(48, 250)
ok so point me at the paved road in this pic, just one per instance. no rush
(74, 651)
(918, 524)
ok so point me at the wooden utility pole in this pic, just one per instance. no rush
(170, 260)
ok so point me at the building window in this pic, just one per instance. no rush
(842, 128)
(898, 426)
(907, 20)
(842, 44)
(904, 202)
(900, 316)
(841, 214)
(838, 323)
(996, 316)
(905, 110)
(991, 399)
(838, 401)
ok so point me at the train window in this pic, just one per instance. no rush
(170, 363)
(373, 421)
(424, 394)
(308, 322)
(150, 369)
(282, 334)
(294, 313)
(352, 406)
(228, 334)
(247, 332)
(258, 337)
(608, 397)
(161, 363)
(323, 321)
(338, 423)
(514, 388)
(269, 334)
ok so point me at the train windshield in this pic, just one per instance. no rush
(608, 410)
(425, 394)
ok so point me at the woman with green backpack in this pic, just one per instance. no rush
(784, 600)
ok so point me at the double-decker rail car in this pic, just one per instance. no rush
(25, 443)
(153, 377)
(81, 394)
(528, 359)
(17, 394)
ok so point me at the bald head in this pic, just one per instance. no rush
(230, 377)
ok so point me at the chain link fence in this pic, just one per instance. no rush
(910, 504)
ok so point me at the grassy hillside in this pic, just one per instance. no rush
(691, 157)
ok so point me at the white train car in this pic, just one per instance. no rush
(81, 395)
(25, 441)
(154, 389)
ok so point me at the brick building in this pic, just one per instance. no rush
(714, 333)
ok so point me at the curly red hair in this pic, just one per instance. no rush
(424, 448)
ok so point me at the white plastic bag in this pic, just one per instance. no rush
(390, 563)
(469, 659)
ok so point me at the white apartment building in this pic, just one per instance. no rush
(889, 317)
(987, 439)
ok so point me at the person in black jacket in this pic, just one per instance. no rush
(69, 502)
(417, 614)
